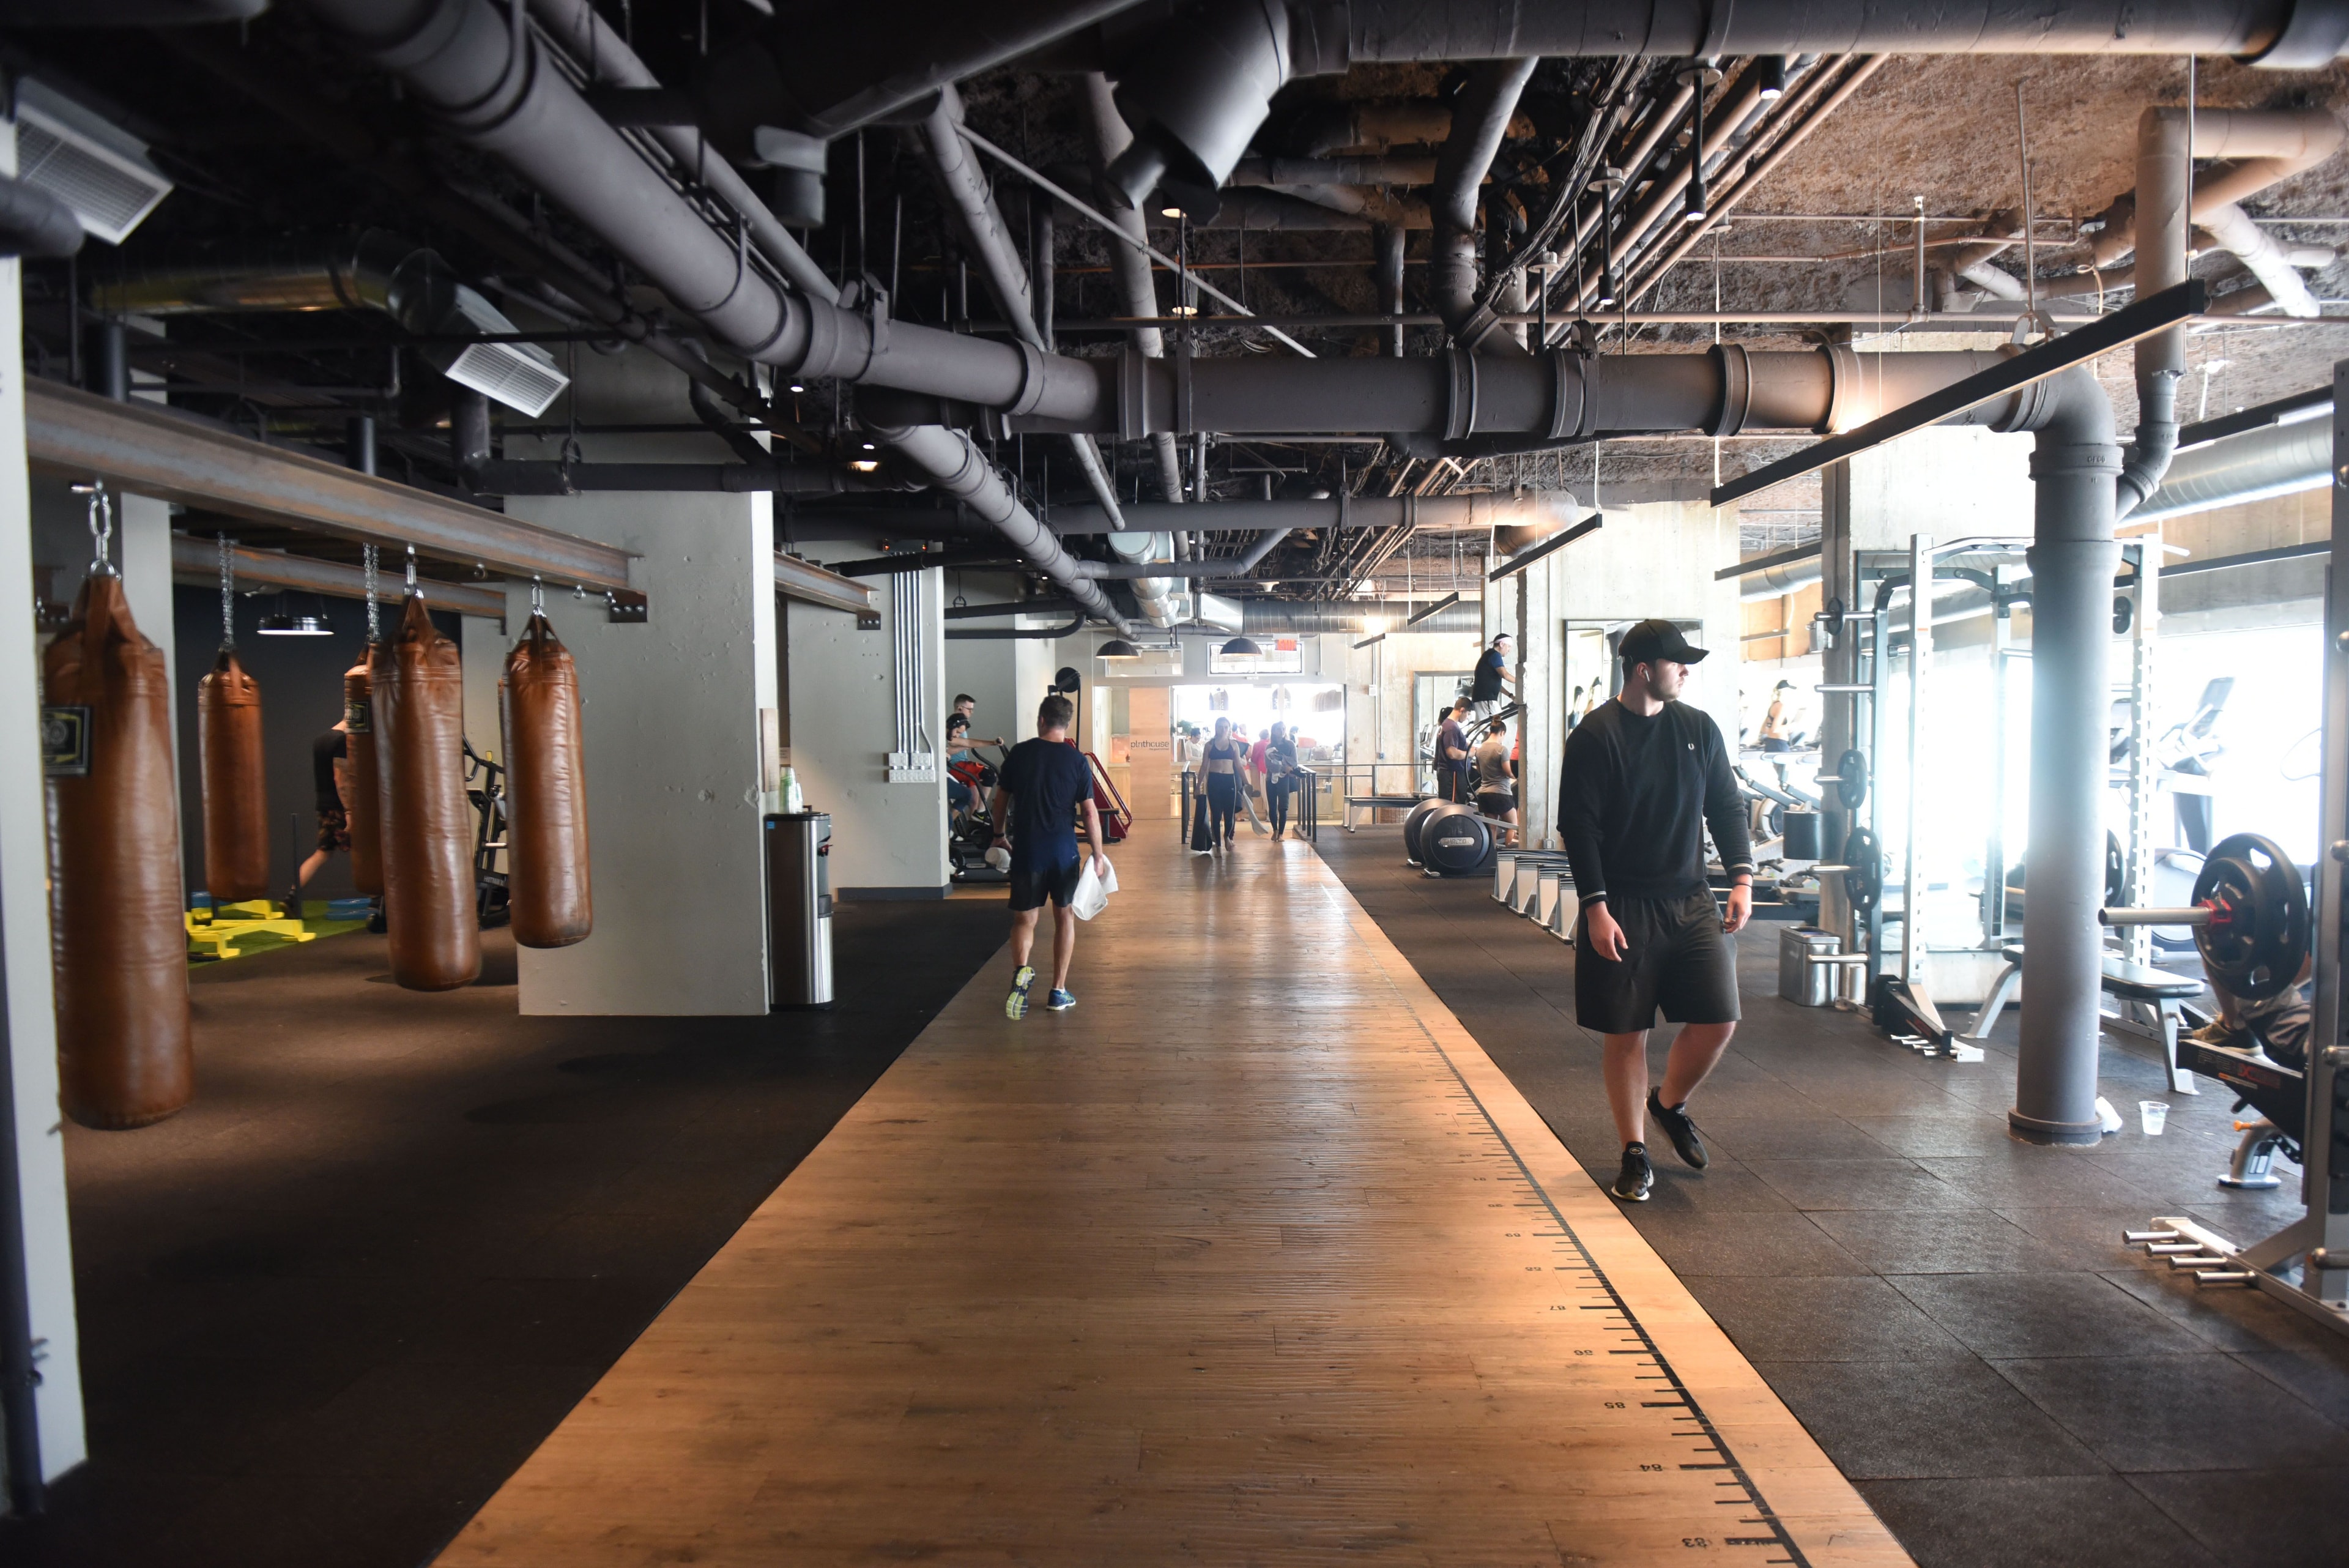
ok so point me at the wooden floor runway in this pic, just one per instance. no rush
(1253, 1258)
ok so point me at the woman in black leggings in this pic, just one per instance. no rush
(1221, 758)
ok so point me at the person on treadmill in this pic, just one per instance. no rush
(1493, 680)
(1455, 761)
(1643, 777)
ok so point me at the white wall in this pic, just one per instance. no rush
(32, 1041)
(888, 840)
(670, 715)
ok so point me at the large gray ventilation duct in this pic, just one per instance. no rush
(1209, 84)
(2252, 466)
(1479, 120)
(1545, 510)
(1150, 595)
(377, 271)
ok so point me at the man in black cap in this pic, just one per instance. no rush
(1644, 777)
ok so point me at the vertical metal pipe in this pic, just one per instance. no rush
(359, 442)
(1389, 241)
(114, 349)
(1920, 647)
(2327, 1183)
(1993, 899)
(2074, 465)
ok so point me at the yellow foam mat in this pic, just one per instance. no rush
(240, 931)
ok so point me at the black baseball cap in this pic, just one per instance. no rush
(1653, 639)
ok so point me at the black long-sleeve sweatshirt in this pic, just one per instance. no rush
(1633, 794)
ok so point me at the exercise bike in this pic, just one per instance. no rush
(969, 834)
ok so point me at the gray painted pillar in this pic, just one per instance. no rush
(2073, 557)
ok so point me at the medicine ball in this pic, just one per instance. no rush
(1454, 840)
(1412, 823)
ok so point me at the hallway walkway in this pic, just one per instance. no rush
(1255, 1256)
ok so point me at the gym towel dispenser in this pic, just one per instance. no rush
(799, 909)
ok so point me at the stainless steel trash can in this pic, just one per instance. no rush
(1801, 982)
(799, 909)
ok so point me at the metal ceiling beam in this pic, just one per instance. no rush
(197, 562)
(806, 583)
(149, 451)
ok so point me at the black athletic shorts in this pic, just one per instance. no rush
(1680, 961)
(1497, 803)
(1031, 884)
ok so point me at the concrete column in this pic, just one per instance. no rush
(889, 840)
(670, 715)
(1539, 632)
(482, 645)
(34, 1130)
(144, 553)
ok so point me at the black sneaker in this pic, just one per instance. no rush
(1680, 1129)
(1631, 1186)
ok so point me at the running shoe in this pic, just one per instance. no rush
(1680, 1128)
(1016, 1004)
(1060, 1000)
(1631, 1186)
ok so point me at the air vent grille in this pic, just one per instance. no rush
(90, 166)
(508, 372)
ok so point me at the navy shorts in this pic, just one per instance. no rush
(1031, 884)
(1680, 959)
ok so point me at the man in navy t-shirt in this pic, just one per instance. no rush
(1044, 784)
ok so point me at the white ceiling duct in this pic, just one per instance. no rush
(518, 374)
(99, 170)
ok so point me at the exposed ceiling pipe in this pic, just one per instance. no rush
(983, 231)
(1291, 619)
(34, 223)
(605, 57)
(1137, 287)
(1284, 172)
(1548, 510)
(1375, 125)
(1150, 594)
(2276, 460)
(1365, 202)
(2268, 260)
(1203, 82)
(504, 234)
(1236, 566)
(950, 460)
(1479, 117)
(375, 271)
(459, 57)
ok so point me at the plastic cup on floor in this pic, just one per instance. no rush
(2154, 1115)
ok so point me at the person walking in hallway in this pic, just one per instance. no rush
(1044, 784)
(1642, 778)
(1279, 777)
(1221, 758)
(1453, 760)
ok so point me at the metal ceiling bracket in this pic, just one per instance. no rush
(1460, 416)
(1736, 388)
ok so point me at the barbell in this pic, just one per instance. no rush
(2250, 917)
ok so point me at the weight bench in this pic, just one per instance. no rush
(1379, 802)
(2157, 988)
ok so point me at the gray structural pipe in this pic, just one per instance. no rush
(952, 463)
(1150, 593)
(34, 223)
(1480, 117)
(972, 203)
(1389, 241)
(2277, 460)
(1548, 510)
(509, 477)
(606, 56)
(1236, 566)
(1137, 288)
(459, 57)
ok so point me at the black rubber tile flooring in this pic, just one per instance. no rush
(1948, 1311)
(328, 1309)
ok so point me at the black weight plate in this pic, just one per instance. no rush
(1863, 885)
(1851, 776)
(2115, 869)
(1454, 840)
(1412, 823)
(2257, 937)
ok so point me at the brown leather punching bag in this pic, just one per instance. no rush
(418, 689)
(118, 948)
(236, 796)
(546, 794)
(363, 812)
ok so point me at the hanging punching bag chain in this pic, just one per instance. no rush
(371, 564)
(228, 591)
(101, 529)
(537, 595)
(413, 592)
